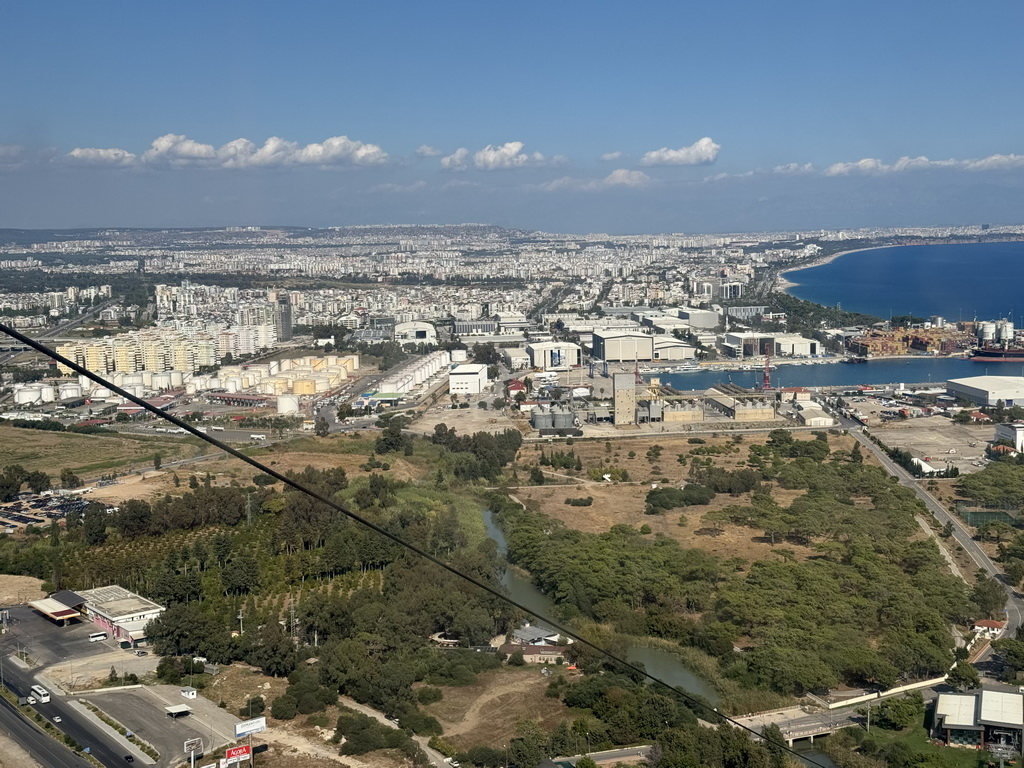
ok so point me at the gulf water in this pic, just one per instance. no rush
(958, 282)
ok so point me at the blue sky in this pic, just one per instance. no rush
(566, 116)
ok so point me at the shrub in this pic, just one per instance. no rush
(284, 707)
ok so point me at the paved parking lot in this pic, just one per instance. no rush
(933, 437)
(66, 656)
(141, 710)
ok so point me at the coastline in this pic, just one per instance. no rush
(782, 283)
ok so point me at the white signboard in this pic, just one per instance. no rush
(256, 725)
(193, 745)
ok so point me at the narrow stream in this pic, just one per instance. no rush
(658, 662)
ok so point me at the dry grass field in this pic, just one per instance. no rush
(487, 712)
(623, 503)
(19, 589)
(86, 455)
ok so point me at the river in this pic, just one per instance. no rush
(663, 664)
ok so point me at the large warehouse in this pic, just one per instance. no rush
(467, 379)
(619, 346)
(988, 390)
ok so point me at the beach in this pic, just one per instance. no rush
(783, 283)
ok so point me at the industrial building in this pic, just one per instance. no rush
(414, 373)
(742, 408)
(624, 399)
(123, 614)
(468, 379)
(981, 720)
(617, 347)
(1013, 433)
(516, 358)
(415, 332)
(554, 355)
(988, 390)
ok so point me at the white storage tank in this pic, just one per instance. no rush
(28, 396)
(459, 356)
(70, 391)
(986, 331)
(287, 404)
(177, 378)
(1004, 332)
(233, 384)
(47, 393)
(160, 381)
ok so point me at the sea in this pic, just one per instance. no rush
(960, 281)
(957, 282)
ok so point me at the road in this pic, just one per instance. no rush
(45, 750)
(102, 745)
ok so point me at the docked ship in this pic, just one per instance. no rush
(992, 354)
(998, 343)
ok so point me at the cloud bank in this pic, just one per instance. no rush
(621, 177)
(178, 151)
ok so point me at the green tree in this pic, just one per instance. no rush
(321, 428)
(157, 460)
(963, 677)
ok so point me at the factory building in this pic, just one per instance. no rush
(415, 332)
(468, 379)
(1014, 433)
(981, 720)
(516, 358)
(988, 390)
(624, 398)
(555, 355)
(617, 347)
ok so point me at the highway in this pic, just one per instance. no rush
(43, 749)
(102, 745)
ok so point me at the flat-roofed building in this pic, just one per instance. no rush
(121, 613)
(988, 390)
(1014, 433)
(617, 347)
(992, 720)
(467, 379)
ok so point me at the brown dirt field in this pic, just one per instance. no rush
(487, 712)
(13, 756)
(238, 681)
(19, 589)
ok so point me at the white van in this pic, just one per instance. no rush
(96, 637)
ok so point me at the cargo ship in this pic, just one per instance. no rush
(998, 355)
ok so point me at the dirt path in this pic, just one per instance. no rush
(286, 743)
(13, 756)
(477, 714)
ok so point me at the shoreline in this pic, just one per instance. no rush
(784, 284)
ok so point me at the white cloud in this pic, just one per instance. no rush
(457, 160)
(108, 157)
(871, 166)
(724, 176)
(791, 169)
(507, 155)
(425, 150)
(178, 151)
(621, 177)
(611, 156)
(701, 152)
(995, 163)
(389, 187)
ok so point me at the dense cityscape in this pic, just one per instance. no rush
(550, 386)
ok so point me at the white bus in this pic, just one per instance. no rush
(41, 693)
(96, 637)
(217, 429)
(257, 437)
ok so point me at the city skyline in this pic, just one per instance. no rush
(570, 119)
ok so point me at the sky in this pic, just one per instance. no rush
(562, 116)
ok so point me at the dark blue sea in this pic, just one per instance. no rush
(958, 282)
(874, 372)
